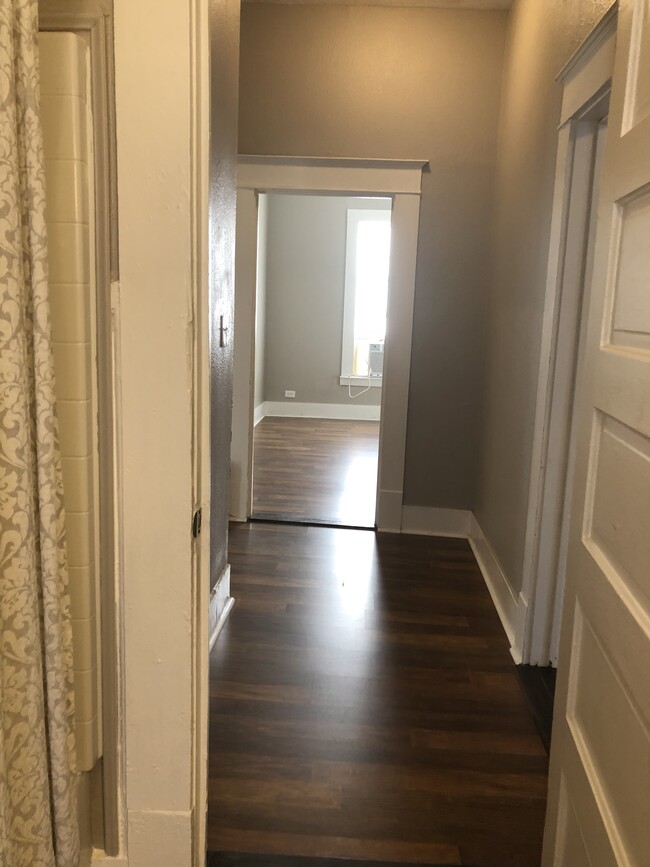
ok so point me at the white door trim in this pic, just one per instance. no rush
(163, 238)
(598, 794)
(399, 179)
(585, 80)
(201, 433)
(94, 23)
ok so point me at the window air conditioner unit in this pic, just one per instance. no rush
(376, 359)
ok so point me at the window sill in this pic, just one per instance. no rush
(360, 381)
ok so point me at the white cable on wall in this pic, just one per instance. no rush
(363, 390)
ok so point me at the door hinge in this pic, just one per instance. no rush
(196, 523)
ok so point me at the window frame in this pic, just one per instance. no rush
(354, 217)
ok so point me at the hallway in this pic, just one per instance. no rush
(364, 705)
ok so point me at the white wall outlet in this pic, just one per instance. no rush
(289, 393)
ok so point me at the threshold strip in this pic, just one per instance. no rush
(307, 522)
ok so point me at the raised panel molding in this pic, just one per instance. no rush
(628, 273)
(612, 740)
(619, 476)
(571, 845)
(637, 92)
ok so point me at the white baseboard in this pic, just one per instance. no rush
(427, 521)
(221, 622)
(221, 603)
(258, 414)
(505, 599)
(517, 648)
(461, 523)
(291, 409)
(389, 511)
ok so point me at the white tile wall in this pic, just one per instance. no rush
(64, 105)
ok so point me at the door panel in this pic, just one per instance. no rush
(571, 844)
(599, 786)
(630, 325)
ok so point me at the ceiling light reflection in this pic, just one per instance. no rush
(353, 560)
(357, 500)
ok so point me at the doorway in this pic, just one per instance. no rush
(568, 381)
(588, 136)
(397, 184)
(320, 328)
(581, 142)
(78, 117)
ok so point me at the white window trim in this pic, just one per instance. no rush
(354, 217)
(357, 380)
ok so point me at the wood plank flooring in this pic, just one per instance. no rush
(364, 705)
(322, 470)
(238, 859)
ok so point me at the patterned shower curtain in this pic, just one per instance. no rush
(38, 826)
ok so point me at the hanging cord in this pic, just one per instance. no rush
(363, 390)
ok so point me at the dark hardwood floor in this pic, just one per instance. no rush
(320, 470)
(364, 705)
(538, 685)
(239, 859)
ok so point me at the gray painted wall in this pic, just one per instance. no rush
(541, 38)
(405, 83)
(224, 32)
(305, 278)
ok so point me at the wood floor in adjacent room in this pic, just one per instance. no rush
(364, 705)
(323, 470)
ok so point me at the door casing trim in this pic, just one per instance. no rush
(400, 180)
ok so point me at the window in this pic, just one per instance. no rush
(367, 261)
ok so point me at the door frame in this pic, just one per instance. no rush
(586, 80)
(94, 23)
(200, 128)
(400, 180)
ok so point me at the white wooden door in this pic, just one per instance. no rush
(599, 787)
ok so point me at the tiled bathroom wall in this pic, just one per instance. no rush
(68, 160)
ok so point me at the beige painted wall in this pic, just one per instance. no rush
(305, 282)
(541, 38)
(400, 83)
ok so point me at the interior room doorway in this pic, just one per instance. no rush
(361, 358)
(320, 328)
(581, 143)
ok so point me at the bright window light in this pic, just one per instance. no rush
(366, 291)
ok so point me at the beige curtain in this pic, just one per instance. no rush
(37, 776)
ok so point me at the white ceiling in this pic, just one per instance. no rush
(431, 4)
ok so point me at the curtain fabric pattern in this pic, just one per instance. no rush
(38, 820)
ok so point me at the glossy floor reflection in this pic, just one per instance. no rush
(322, 470)
(364, 704)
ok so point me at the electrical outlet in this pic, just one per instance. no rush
(289, 393)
